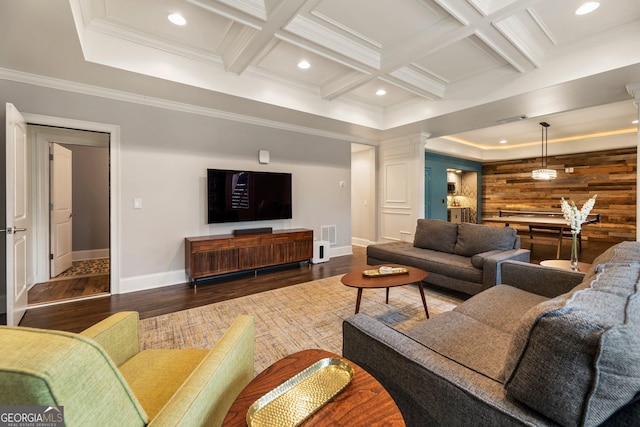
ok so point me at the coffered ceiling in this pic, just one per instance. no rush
(455, 68)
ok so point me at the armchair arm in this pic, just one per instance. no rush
(538, 279)
(118, 335)
(491, 275)
(211, 389)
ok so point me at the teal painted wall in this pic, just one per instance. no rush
(436, 183)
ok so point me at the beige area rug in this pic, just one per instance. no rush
(308, 315)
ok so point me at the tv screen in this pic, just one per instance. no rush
(234, 196)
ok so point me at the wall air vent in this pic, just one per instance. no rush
(328, 233)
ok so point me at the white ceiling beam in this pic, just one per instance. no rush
(344, 84)
(418, 82)
(283, 13)
(237, 46)
(505, 49)
(229, 13)
(323, 36)
(445, 33)
(252, 7)
(516, 32)
(324, 52)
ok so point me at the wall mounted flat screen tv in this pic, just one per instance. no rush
(234, 196)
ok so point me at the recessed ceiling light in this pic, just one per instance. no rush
(503, 141)
(304, 65)
(635, 122)
(177, 19)
(381, 92)
(587, 7)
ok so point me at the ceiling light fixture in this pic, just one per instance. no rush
(303, 65)
(503, 141)
(177, 19)
(587, 7)
(544, 173)
(635, 122)
(381, 92)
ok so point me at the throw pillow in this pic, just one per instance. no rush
(475, 238)
(436, 234)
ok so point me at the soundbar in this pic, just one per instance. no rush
(252, 231)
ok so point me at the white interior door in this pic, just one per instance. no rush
(61, 209)
(17, 215)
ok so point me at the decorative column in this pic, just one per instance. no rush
(634, 91)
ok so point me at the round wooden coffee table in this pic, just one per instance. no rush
(363, 402)
(356, 279)
(565, 264)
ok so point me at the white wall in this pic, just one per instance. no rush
(363, 196)
(164, 155)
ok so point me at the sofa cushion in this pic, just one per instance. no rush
(432, 261)
(436, 234)
(478, 332)
(500, 306)
(465, 340)
(593, 336)
(476, 238)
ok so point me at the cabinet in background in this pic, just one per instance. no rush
(459, 215)
(219, 254)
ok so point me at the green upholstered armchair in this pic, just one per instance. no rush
(101, 377)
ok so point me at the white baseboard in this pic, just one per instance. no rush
(152, 281)
(169, 278)
(90, 254)
(340, 251)
(361, 242)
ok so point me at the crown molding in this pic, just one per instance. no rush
(84, 89)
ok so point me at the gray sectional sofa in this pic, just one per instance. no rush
(464, 257)
(548, 347)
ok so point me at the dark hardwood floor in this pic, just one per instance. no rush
(69, 288)
(77, 315)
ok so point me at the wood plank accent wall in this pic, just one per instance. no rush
(610, 174)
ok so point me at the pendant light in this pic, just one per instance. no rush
(544, 173)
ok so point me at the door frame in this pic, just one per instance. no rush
(40, 197)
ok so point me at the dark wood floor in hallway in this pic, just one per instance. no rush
(77, 315)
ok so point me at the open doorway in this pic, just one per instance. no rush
(72, 250)
(462, 195)
(363, 194)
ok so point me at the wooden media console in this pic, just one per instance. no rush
(207, 256)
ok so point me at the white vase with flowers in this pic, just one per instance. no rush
(575, 218)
